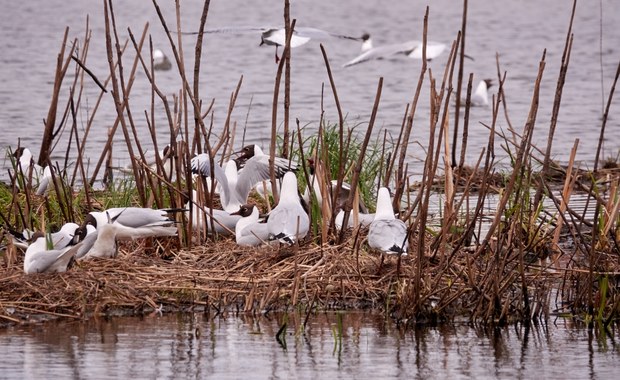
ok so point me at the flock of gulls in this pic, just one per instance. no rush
(413, 49)
(286, 224)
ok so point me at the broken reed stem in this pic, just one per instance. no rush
(566, 192)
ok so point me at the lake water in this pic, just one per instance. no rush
(516, 31)
(195, 346)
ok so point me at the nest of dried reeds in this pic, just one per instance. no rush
(152, 276)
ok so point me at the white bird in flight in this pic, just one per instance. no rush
(276, 36)
(412, 49)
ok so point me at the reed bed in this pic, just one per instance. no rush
(529, 264)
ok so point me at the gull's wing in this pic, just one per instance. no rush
(242, 29)
(52, 261)
(201, 164)
(381, 52)
(389, 236)
(321, 35)
(287, 221)
(256, 170)
(433, 50)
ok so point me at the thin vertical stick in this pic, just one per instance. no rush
(109, 16)
(556, 103)
(274, 115)
(50, 120)
(358, 167)
(287, 80)
(459, 84)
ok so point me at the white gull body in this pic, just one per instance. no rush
(134, 222)
(276, 36)
(363, 219)
(386, 233)
(255, 170)
(49, 261)
(288, 221)
(223, 222)
(51, 252)
(249, 231)
(412, 49)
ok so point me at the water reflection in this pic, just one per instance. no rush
(194, 345)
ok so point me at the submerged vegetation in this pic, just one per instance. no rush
(529, 258)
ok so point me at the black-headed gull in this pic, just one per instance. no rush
(51, 252)
(249, 231)
(49, 261)
(99, 242)
(254, 171)
(161, 61)
(288, 221)
(480, 96)
(276, 36)
(134, 222)
(57, 240)
(343, 194)
(386, 233)
(42, 176)
(412, 49)
(223, 221)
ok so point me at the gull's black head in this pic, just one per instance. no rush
(244, 210)
(311, 165)
(18, 152)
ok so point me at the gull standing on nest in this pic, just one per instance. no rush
(387, 233)
(288, 221)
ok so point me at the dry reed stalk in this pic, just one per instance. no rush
(274, 109)
(288, 30)
(118, 86)
(358, 167)
(611, 208)
(566, 193)
(89, 124)
(342, 153)
(557, 101)
(62, 64)
(459, 84)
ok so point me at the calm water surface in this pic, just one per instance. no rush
(516, 31)
(193, 346)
